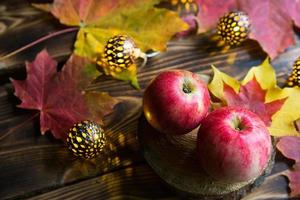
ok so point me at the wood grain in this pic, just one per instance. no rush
(39, 162)
(128, 183)
(31, 164)
(15, 13)
(140, 182)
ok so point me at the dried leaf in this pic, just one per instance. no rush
(187, 10)
(150, 27)
(294, 178)
(192, 23)
(290, 148)
(283, 121)
(58, 96)
(83, 12)
(271, 25)
(100, 104)
(252, 97)
(210, 11)
(278, 108)
(271, 21)
(217, 84)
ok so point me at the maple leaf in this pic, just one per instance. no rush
(290, 148)
(150, 28)
(190, 20)
(187, 10)
(252, 97)
(271, 21)
(210, 11)
(83, 12)
(283, 122)
(278, 108)
(59, 96)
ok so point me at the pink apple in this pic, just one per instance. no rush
(176, 101)
(234, 144)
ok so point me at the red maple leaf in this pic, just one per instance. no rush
(271, 21)
(252, 97)
(210, 11)
(290, 147)
(59, 96)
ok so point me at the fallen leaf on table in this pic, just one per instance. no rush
(258, 92)
(252, 97)
(100, 104)
(60, 96)
(271, 21)
(125, 75)
(187, 10)
(290, 148)
(150, 27)
(83, 12)
(146, 27)
(283, 122)
(190, 20)
(217, 84)
(210, 11)
(294, 179)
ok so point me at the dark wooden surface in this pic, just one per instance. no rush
(40, 167)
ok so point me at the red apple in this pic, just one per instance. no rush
(176, 101)
(234, 145)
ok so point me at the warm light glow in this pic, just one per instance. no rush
(121, 139)
(148, 115)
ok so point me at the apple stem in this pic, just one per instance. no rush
(186, 90)
(42, 39)
(187, 87)
(236, 124)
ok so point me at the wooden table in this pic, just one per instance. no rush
(39, 167)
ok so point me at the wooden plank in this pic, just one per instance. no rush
(137, 182)
(15, 13)
(140, 182)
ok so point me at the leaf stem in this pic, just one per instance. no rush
(18, 126)
(46, 37)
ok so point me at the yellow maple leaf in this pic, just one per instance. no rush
(149, 27)
(283, 120)
(216, 85)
